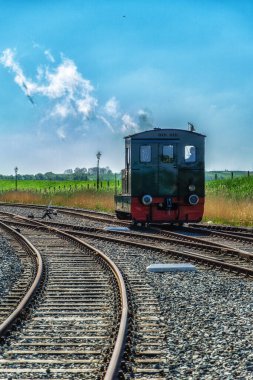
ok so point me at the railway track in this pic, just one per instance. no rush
(148, 359)
(224, 228)
(220, 252)
(185, 247)
(146, 354)
(133, 261)
(226, 232)
(76, 327)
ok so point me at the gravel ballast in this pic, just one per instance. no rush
(10, 266)
(208, 315)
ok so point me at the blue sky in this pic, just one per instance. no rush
(77, 76)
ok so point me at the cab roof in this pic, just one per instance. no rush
(163, 132)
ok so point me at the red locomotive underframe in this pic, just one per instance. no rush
(182, 212)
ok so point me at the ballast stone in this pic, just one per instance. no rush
(171, 268)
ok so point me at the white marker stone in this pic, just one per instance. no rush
(116, 228)
(182, 267)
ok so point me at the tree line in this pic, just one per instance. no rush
(80, 174)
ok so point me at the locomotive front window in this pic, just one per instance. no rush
(190, 153)
(145, 153)
(168, 153)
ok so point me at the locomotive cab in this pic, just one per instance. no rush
(163, 179)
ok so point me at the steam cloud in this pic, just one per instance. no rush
(72, 97)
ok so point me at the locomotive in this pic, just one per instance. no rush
(164, 177)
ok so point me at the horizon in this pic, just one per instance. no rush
(119, 172)
(76, 78)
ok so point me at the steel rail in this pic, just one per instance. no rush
(175, 239)
(192, 242)
(31, 249)
(114, 364)
(223, 227)
(172, 237)
(184, 240)
(188, 255)
(227, 234)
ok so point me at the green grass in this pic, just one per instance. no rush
(225, 174)
(238, 188)
(55, 186)
(228, 201)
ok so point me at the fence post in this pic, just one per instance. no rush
(232, 175)
(115, 184)
(248, 173)
(215, 176)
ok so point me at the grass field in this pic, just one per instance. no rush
(228, 201)
(88, 199)
(55, 186)
(81, 194)
(237, 189)
(221, 210)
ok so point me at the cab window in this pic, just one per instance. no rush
(145, 153)
(190, 153)
(167, 154)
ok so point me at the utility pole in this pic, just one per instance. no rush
(16, 177)
(99, 154)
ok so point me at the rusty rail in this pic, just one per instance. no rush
(114, 364)
(31, 249)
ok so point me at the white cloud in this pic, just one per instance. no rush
(7, 60)
(111, 107)
(62, 110)
(40, 73)
(70, 96)
(106, 122)
(65, 80)
(86, 106)
(63, 83)
(49, 56)
(61, 133)
(128, 124)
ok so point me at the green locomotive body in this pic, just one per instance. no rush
(163, 179)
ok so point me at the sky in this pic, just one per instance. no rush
(77, 76)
